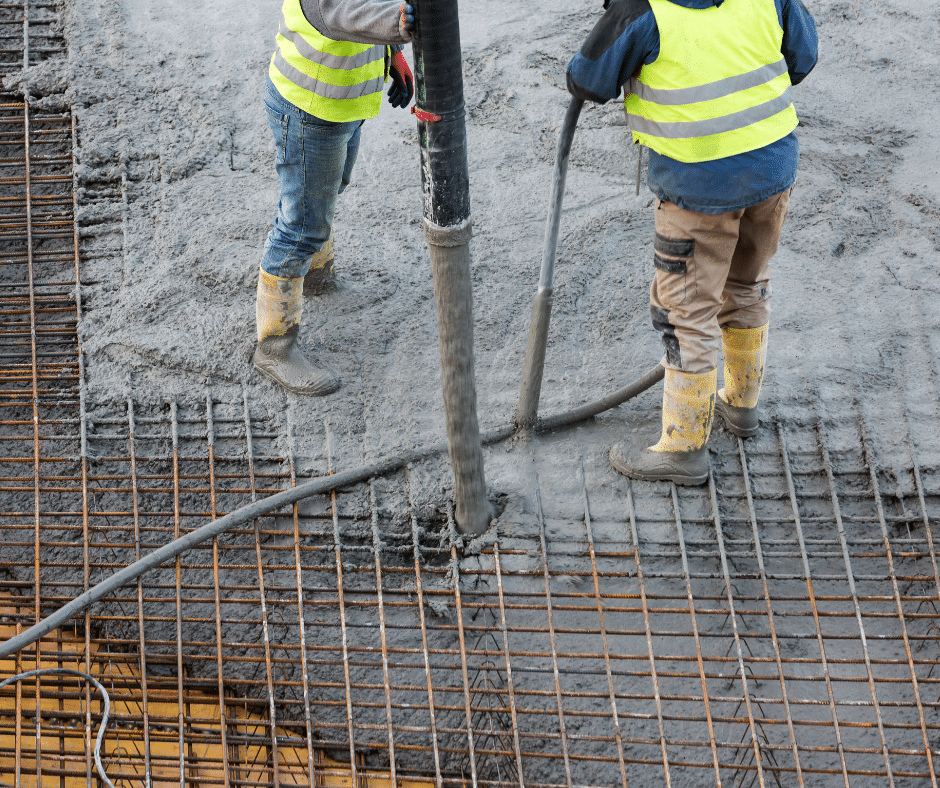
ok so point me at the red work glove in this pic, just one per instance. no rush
(403, 83)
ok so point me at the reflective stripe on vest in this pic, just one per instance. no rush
(706, 96)
(337, 81)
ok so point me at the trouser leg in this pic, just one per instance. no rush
(692, 256)
(745, 313)
(746, 294)
(314, 163)
(320, 277)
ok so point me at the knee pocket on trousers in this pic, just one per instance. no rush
(671, 257)
(673, 290)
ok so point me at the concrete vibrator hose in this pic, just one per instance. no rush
(526, 420)
(527, 410)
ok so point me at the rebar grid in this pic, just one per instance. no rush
(775, 628)
(29, 34)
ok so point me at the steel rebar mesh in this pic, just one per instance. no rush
(29, 34)
(526, 660)
(775, 628)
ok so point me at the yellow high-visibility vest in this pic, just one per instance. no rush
(337, 81)
(719, 86)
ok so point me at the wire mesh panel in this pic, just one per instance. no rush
(29, 33)
(775, 627)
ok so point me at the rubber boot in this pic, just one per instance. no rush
(745, 352)
(681, 455)
(321, 278)
(278, 310)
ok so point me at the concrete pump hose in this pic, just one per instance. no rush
(585, 412)
(319, 486)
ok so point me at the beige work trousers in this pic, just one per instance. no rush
(712, 270)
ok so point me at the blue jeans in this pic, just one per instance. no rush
(314, 163)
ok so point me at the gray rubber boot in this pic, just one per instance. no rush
(743, 422)
(682, 467)
(279, 358)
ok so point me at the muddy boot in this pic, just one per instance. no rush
(745, 351)
(321, 277)
(681, 456)
(277, 356)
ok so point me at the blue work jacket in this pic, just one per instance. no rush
(627, 37)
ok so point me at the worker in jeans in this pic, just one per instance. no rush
(325, 79)
(707, 87)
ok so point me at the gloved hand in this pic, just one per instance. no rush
(403, 84)
(406, 22)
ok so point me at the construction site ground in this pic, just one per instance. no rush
(775, 627)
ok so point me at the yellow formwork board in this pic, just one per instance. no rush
(63, 748)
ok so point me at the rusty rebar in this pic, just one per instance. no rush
(687, 577)
(265, 627)
(301, 618)
(759, 554)
(850, 577)
(217, 592)
(603, 628)
(733, 616)
(612, 610)
(562, 730)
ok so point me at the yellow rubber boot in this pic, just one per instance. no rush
(321, 277)
(745, 352)
(681, 455)
(277, 313)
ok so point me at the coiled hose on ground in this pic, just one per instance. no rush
(526, 419)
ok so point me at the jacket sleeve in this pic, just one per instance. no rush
(800, 40)
(360, 21)
(623, 40)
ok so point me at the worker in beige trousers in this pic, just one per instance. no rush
(708, 89)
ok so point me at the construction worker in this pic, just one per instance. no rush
(707, 87)
(325, 79)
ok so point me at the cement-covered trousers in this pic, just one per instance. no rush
(712, 270)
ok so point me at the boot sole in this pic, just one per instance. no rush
(683, 480)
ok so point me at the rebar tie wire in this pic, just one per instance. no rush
(98, 686)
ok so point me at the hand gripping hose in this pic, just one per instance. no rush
(526, 418)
